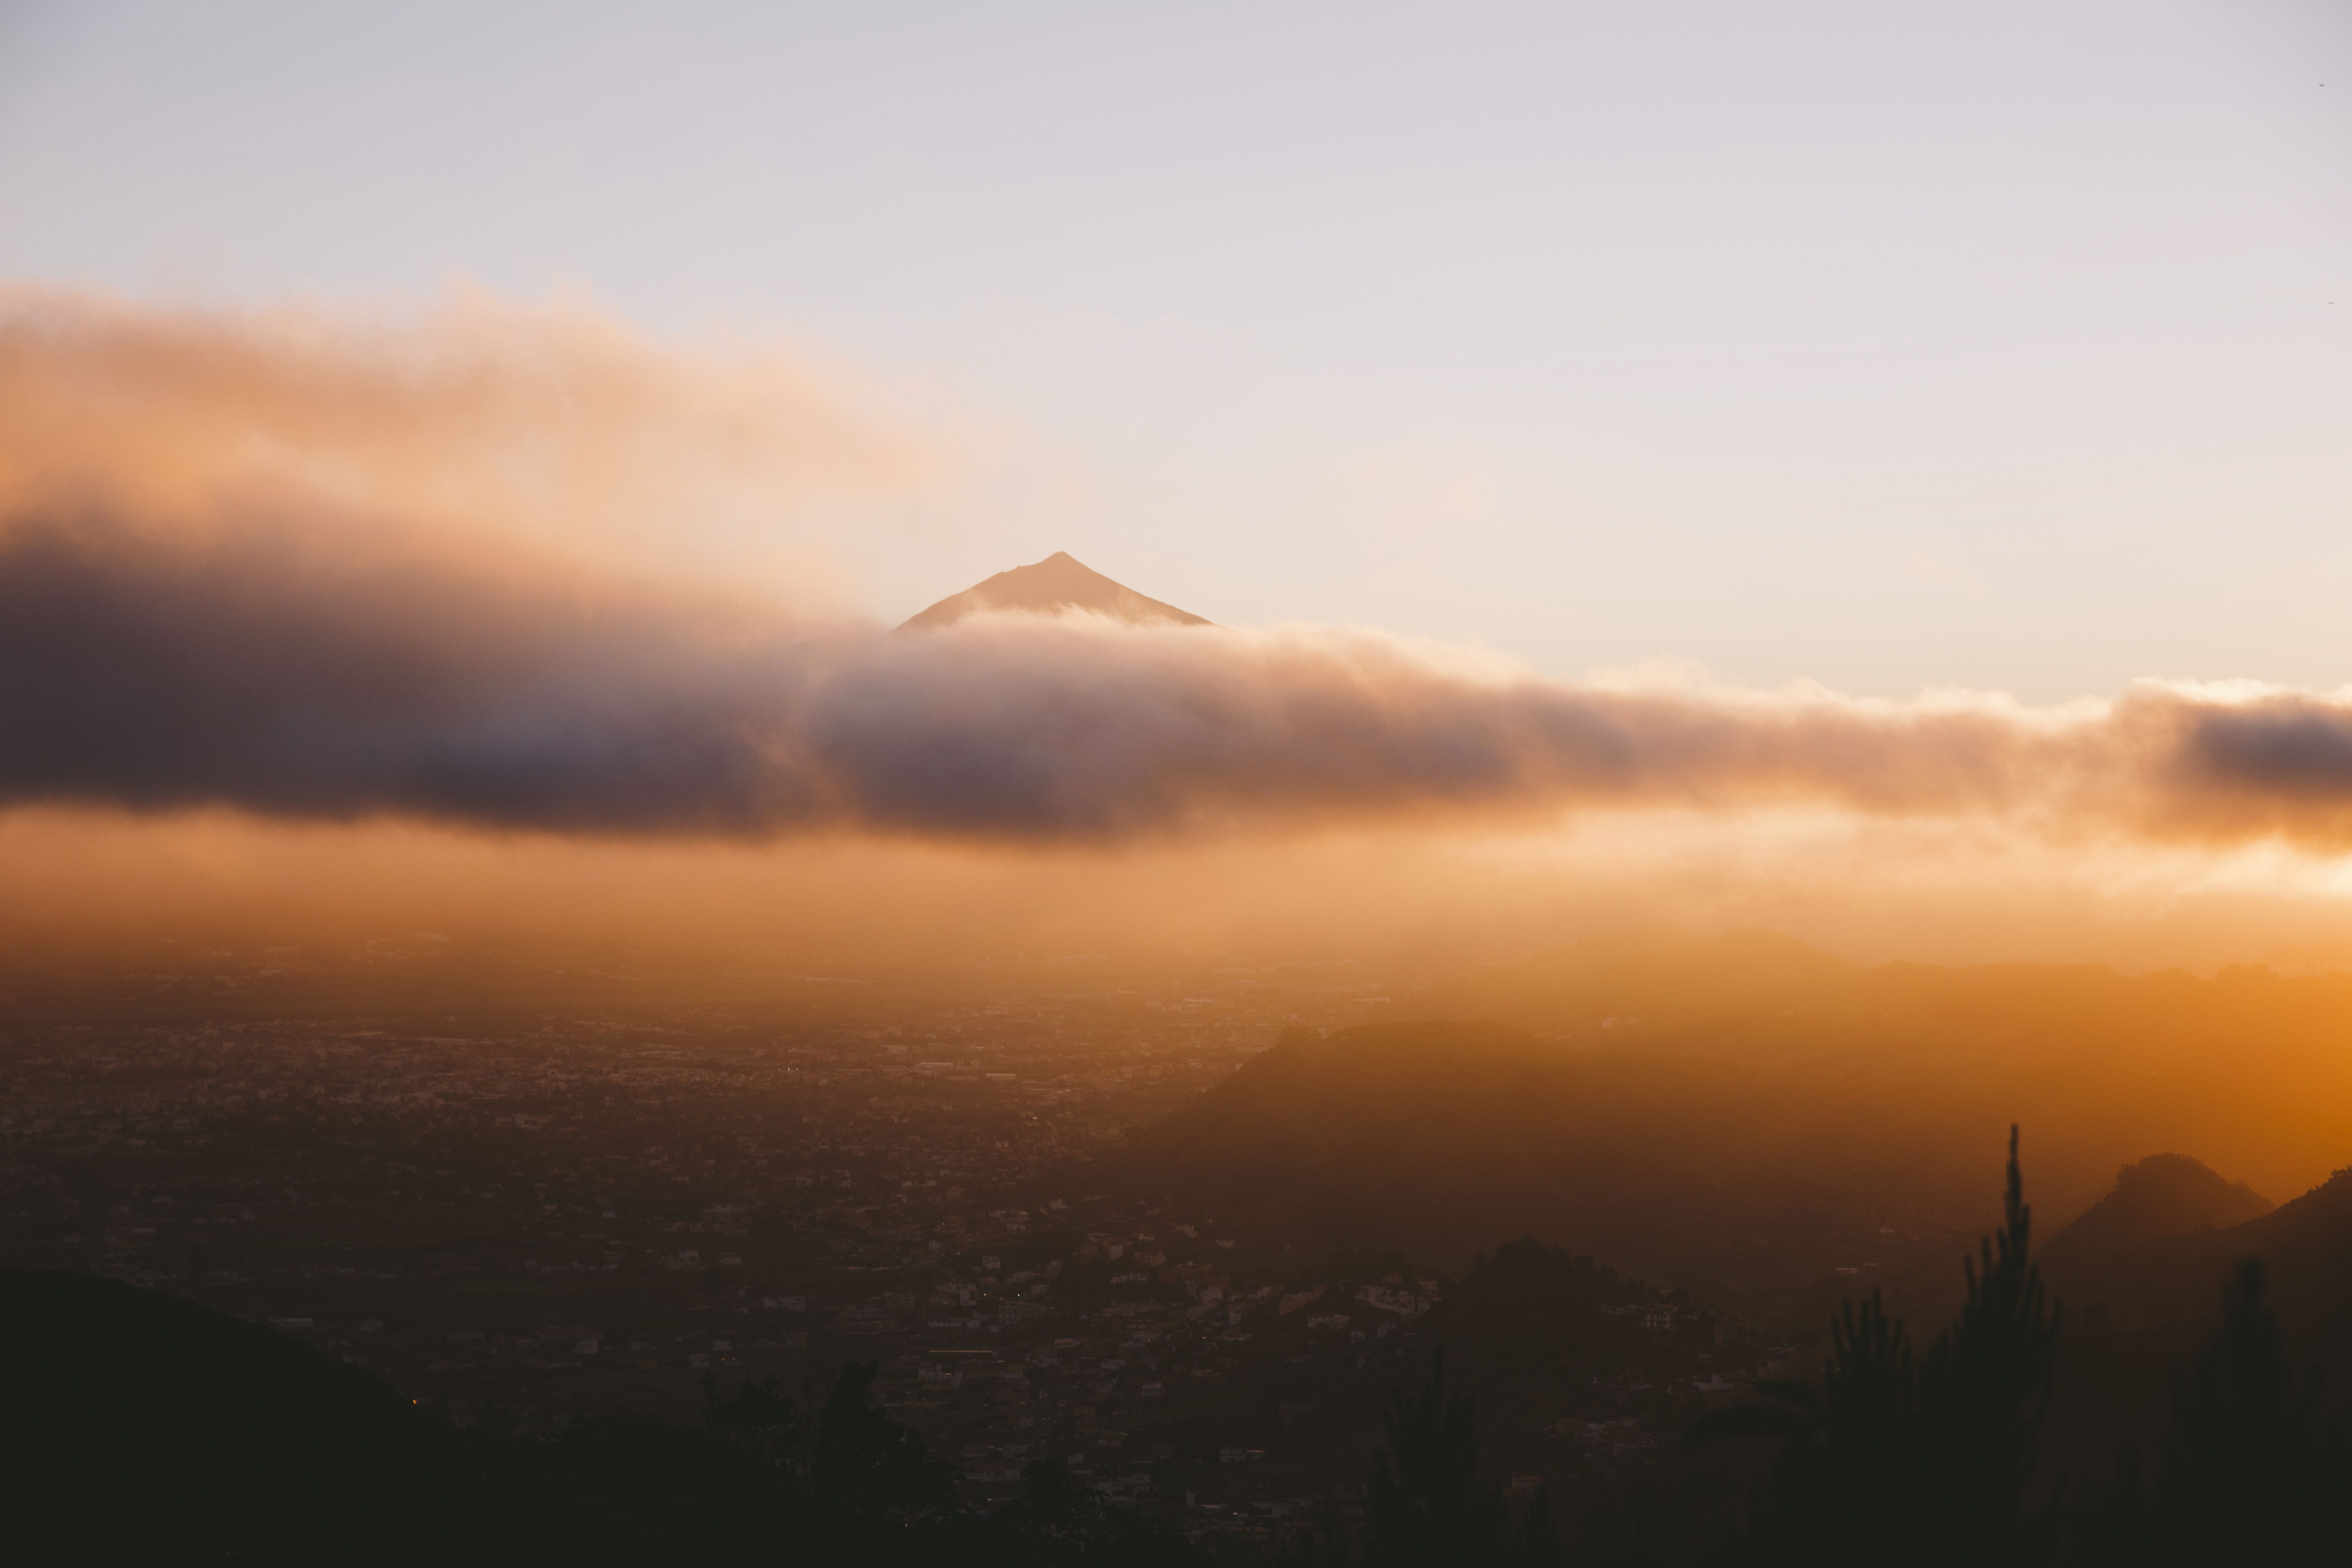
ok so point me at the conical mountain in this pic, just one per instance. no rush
(2156, 1248)
(1058, 583)
(2164, 1194)
(2306, 1242)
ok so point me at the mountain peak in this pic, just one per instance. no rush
(1060, 582)
(2164, 1194)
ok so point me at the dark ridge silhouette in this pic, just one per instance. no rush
(236, 1441)
(2305, 1249)
(142, 1428)
(1756, 1122)
(145, 1428)
(1057, 582)
(2162, 1196)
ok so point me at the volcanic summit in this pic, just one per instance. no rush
(1058, 583)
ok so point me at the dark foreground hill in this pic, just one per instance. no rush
(145, 1428)
(142, 1428)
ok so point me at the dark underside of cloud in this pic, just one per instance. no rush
(332, 673)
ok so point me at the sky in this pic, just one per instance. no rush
(1875, 471)
(2005, 347)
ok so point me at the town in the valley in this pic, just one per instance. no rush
(526, 1216)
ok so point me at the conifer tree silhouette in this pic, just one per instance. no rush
(1847, 1484)
(2245, 1472)
(1984, 1390)
(1424, 1506)
(1925, 1460)
(846, 1483)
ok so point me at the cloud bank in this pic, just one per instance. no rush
(283, 670)
(202, 603)
(553, 424)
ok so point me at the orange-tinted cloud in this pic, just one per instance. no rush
(554, 424)
(202, 603)
(332, 673)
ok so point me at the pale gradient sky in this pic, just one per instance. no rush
(1887, 346)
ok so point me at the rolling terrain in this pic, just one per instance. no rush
(1769, 1126)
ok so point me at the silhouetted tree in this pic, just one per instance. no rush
(1984, 1390)
(2247, 1474)
(848, 1485)
(1847, 1484)
(1329, 1547)
(760, 1420)
(1892, 1459)
(1537, 1544)
(1425, 1507)
(1060, 1522)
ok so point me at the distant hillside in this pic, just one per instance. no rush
(1743, 1184)
(1056, 584)
(1767, 1126)
(2307, 1243)
(2252, 1071)
(2162, 1196)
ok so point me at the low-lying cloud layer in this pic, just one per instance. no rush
(335, 673)
(202, 604)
